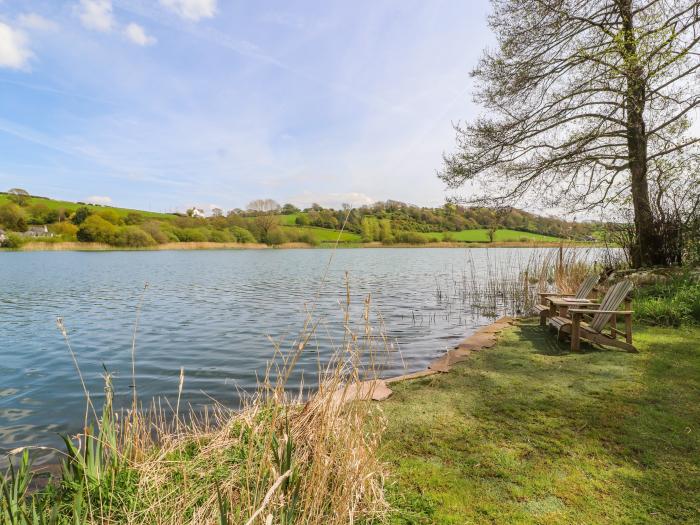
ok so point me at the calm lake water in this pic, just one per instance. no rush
(210, 312)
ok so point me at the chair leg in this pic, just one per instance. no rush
(576, 333)
(543, 317)
(628, 329)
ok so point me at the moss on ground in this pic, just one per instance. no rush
(527, 432)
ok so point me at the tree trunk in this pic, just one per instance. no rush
(647, 250)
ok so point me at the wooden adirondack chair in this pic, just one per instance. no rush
(600, 315)
(584, 290)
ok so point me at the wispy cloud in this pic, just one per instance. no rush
(137, 35)
(14, 48)
(329, 104)
(36, 22)
(96, 15)
(191, 9)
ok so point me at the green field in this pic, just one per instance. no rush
(72, 206)
(482, 235)
(289, 220)
(324, 234)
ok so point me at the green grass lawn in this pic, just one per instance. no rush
(482, 235)
(289, 220)
(72, 206)
(326, 235)
(527, 432)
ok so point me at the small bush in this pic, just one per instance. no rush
(276, 236)
(448, 237)
(661, 312)
(110, 216)
(13, 217)
(153, 228)
(96, 229)
(13, 241)
(134, 219)
(410, 238)
(220, 236)
(133, 237)
(191, 234)
(306, 236)
(241, 234)
(80, 215)
(67, 231)
(670, 303)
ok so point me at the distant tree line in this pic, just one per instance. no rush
(266, 221)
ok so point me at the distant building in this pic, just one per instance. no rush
(37, 231)
(3, 236)
(198, 213)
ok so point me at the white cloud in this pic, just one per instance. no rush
(36, 22)
(191, 9)
(14, 48)
(137, 35)
(97, 14)
(332, 200)
(99, 199)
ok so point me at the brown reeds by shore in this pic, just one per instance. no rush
(101, 247)
(289, 455)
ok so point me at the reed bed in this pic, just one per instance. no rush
(288, 456)
(510, 286)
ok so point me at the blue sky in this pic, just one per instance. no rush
(163, 104)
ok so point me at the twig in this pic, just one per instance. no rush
(268, 496)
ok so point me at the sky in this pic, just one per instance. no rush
(166, 104)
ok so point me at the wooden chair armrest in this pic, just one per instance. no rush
(582, 305)
(583, 311)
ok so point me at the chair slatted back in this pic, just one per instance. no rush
(586, 287)
(612, 301)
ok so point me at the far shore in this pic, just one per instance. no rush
(100, 247)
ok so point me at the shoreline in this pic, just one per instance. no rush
(180, 246)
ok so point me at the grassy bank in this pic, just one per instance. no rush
(528, 433)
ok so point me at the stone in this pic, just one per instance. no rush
(414, 375)
(376, 390)
(441, 364)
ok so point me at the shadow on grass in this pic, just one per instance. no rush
(529, 432)
(545, 341)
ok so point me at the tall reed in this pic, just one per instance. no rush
(288, 456)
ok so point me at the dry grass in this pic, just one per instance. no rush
(563, 269)
(287, 457)
(189, 470)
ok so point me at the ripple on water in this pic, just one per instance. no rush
(209, 312)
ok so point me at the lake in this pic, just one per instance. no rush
(214, 313)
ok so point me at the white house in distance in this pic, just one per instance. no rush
(37, 231)
(3, 236)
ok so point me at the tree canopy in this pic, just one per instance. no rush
(583, 99)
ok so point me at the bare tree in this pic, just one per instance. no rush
(263, 205)
(583, 97)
